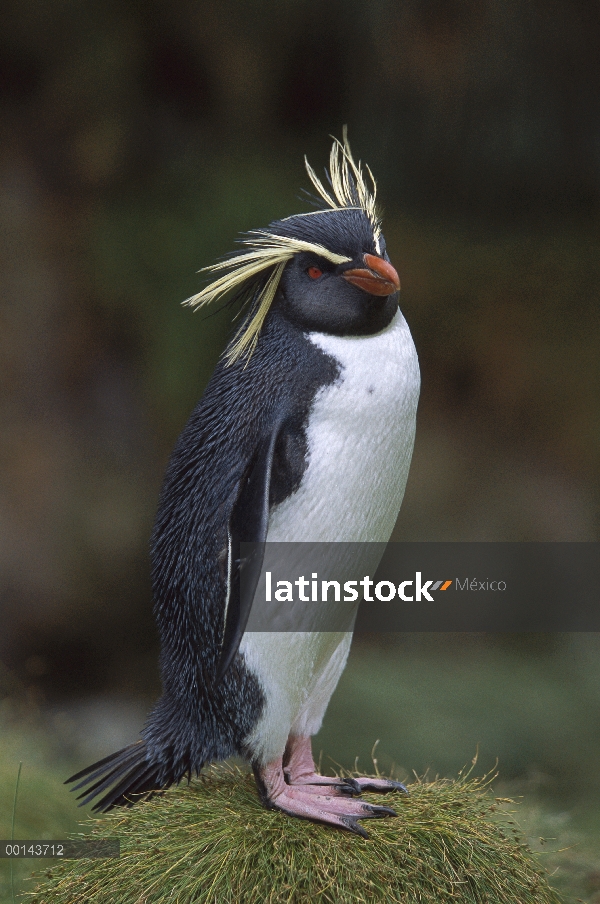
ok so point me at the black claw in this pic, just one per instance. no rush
(353, 826)
(398, 786)
(346, 790)
(379, 812)
(353, 785)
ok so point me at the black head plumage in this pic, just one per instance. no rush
(338, 235)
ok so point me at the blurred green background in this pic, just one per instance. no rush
(137, 140)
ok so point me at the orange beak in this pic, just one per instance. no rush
(379, 279)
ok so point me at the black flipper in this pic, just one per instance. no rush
(248, 524)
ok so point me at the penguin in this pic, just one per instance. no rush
(304, 433)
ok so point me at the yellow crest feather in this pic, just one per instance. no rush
(268, 250)
(348, 183)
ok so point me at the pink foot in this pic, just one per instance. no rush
(299, 771)
(381, 785)
(295, 800)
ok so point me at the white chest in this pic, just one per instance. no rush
(360, 436)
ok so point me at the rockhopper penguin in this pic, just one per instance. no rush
(304, 433)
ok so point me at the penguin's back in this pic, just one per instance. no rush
(272, 394)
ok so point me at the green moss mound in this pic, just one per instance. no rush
(213, 842)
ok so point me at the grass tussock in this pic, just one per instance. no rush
(213, 842)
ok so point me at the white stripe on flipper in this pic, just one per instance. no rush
(228, 590)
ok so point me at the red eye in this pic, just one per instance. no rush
(314, 272)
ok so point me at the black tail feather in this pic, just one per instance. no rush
(126, 757)
(128, 767)
(141, 784)
(120, 795)
(111, 758)
(103, 783)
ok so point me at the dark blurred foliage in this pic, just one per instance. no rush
(138, 138)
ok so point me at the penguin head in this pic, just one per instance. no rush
(325, 271)
(356, 297)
